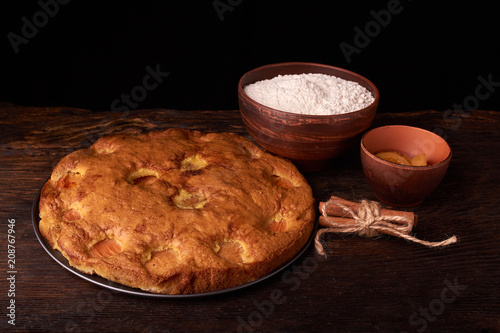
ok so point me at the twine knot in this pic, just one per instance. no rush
(370, 222)
(368, 218)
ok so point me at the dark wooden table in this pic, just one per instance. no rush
(365, 285)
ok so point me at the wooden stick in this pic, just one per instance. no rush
(324, 222)
(332, 210)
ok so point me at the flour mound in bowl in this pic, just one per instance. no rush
(311, 94)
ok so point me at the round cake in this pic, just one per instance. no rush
(176, 212)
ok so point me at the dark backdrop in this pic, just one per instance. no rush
(421, 54)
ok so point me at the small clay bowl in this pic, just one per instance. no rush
(310, 141)
(403, 185)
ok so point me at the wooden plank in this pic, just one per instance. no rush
(384, 284)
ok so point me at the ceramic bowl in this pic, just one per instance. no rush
(403, 185)
(310, 141)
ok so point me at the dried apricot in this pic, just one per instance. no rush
(419, 160)
(393, 157)
(398, 158)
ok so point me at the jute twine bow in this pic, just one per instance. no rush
(369, 222)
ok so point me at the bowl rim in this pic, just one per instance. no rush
(401, 166)
(311, 64)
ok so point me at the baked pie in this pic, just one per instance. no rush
(177, 211)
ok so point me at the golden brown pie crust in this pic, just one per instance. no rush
(176, 212)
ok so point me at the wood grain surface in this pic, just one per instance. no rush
(365, 285)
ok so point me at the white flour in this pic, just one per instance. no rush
(315, 94)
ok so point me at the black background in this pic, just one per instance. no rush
(429, 56)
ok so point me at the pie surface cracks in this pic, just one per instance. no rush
(176, 211)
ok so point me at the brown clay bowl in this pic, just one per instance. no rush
(403, 185)
(310, 141)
